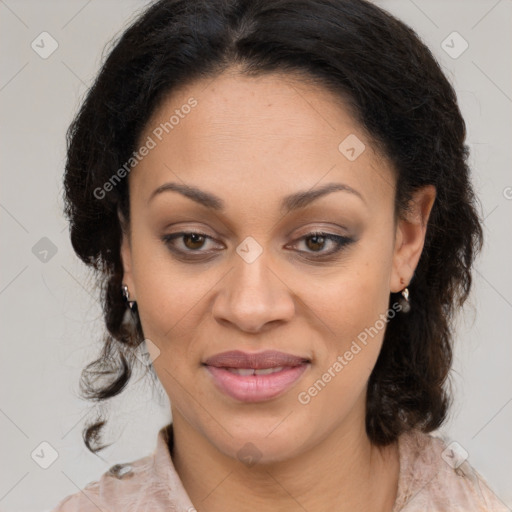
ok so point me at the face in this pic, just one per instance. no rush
(252, 229)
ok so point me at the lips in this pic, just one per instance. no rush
(256, 361)
(255, 377)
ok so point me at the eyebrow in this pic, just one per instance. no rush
(291, 202)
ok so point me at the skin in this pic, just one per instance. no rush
(252, 141)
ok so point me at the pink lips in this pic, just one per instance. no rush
(254, 377)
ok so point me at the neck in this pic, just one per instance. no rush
(344, 472)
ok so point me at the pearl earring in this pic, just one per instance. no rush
(404, 301)
(126, 295)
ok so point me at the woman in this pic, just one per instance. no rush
(276, 199)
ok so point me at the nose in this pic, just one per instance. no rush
(252, 296)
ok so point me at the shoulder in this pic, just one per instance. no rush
(435, 475)
(116, 488)
(149, 483)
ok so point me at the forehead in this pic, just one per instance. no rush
(270, 134)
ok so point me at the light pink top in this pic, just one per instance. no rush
(431, 479)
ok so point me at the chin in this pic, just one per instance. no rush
(260, 452)
(261, 441)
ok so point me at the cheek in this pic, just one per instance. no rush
(356, 330)
(347, 351)
(163, 291)
(352, 306)
(352, 298)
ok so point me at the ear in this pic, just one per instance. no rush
(410, 237)
(126, 256)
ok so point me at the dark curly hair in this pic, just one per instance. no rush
(398, 94)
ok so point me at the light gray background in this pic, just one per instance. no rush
(51, 320)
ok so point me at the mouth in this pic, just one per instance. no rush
(255, 377)
(252, 371)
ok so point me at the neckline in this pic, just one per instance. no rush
(409, 443)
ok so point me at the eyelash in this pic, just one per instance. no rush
(340, 241)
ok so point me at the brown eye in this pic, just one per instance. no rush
(193, 240)
(189, 244)
(315, 242)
